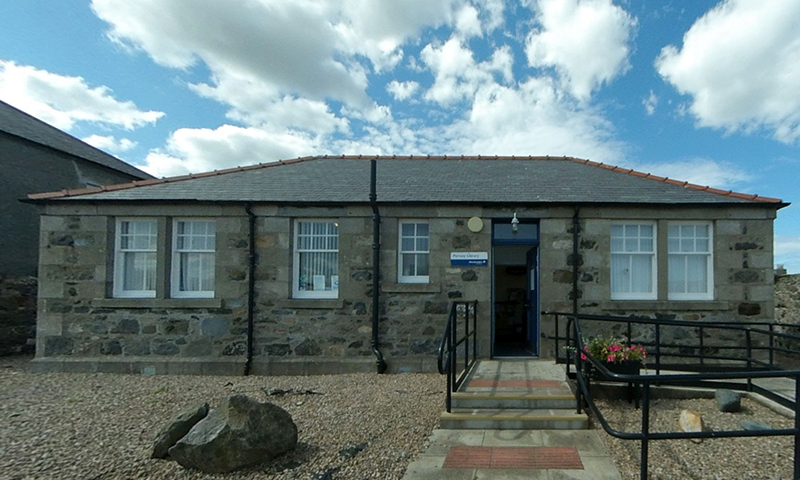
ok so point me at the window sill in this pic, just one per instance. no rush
(411, 287)
(158, 302)
(661, 305)
(311, 303)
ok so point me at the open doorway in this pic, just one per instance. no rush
(515, 292)
(515, 323)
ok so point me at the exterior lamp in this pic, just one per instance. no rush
(515, 223)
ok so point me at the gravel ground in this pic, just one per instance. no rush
(724, 459)
(101, 426)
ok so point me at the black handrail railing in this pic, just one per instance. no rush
(719, 379)
(447, 360)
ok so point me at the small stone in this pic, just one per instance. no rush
(691, 421)
(728, 400)
(753, 425)
(351, 452)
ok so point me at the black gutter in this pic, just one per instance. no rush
(376, 264)
(251, 286)
(575, 238)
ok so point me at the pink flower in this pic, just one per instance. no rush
(611, 358)
(583, 356)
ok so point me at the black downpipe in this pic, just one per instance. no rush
(251, 287)
(376, 264)
(575, 238)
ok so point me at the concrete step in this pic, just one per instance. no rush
(513, 419)
(524, 401)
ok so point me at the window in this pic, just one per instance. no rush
(633, 261)
(193, 258)
(135, 258)
(413, 253)
(690, 263)
(316, 259)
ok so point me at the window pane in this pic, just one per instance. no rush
(616, 244)
(631, 245)
(674, 231)
(696, 274)
(407, 245)
(646, 245)
(422, 264)
(687, 245)
(139, 271)
(687, 230)
(620, 273)
(646, 231)
(422, 229)
(631, 231)
(702, 245)
(616, 230)
(409, 265)
(677, 273)
(422, 244)
(674, 245)
(641, 274)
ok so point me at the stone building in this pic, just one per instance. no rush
(156, 276)
(36, 157)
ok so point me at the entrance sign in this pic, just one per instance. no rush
(473, 259)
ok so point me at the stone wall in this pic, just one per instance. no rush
(787, 298)
(80, 327)
(17, 315)
(743, 270)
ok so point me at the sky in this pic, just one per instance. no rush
(700, 91)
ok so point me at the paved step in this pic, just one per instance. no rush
(514, 419)
(472, 400)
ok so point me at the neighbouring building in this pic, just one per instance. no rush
(274, 262)
(36, 157)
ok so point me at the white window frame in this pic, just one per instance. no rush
(296, 251)
(119, 270)
(709, 293)
(400, 252)
(175, 291)
(651, 295)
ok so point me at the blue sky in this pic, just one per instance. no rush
(702, 91)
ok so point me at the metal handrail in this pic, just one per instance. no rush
(447, 358)
(583, 392)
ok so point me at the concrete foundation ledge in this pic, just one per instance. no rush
(153, 365)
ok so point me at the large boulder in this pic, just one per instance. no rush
(240, 433)
(176, 429)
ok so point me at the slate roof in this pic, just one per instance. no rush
(18, 123)
(434, 179)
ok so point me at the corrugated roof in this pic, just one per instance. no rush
(18, 123)
(427, 179)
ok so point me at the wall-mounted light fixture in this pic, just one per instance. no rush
(515, 223)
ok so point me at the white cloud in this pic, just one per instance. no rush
(467, 22)
(700, 171)
(457, 74)
(295, 48)
(787, 252)
(534, 119)
(109, 143)
(63, 100)
(402, 90)
(740, 63)
(200, 150)
(650, 103)
(586, 41)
